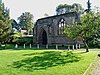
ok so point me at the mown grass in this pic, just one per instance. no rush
(45, 62)
(93, 66)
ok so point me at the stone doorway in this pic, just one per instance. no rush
(42, 37)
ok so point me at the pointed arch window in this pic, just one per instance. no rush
(61, 26)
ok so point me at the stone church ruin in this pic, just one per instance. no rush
(50, 30)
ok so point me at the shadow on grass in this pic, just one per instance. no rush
(98, 55)
(28, 49)
(22, 49)
(44, 60)
(82, 52)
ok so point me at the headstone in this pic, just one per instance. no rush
(38, 46)
(76, 46)
(30, 46)
(56, 46)
(68, 47)
(24, 45)
(73, 47)
(79, 46)
(16, 46)
(47, 46)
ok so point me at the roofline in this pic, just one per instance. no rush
(57, 15)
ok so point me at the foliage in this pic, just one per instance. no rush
(5, 24)
(26, 21)
(77, 8)
(24, 40)
(14, 24)
(89, 26)
(19, 39)
(60, 9)
(65, 8)
(18, 34)
(8, 46)
(23, 62)
(16, 37)
(94, 40)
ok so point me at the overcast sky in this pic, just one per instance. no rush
(39, 7)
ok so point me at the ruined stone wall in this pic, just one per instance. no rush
(50, 26)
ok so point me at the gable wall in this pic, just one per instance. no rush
(54, 37)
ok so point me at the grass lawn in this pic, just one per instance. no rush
(45, 62)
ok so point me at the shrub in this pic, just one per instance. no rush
(24, 40)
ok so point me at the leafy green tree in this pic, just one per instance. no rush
(94, 40)
(14, 24)
(16, 37)
(77, 8)
(89, 26)
(65, 8)
(5, 24)
(20, 39)
(26, 21)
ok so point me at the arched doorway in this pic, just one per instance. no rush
(42, 37)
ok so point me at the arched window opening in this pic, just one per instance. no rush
(61, 26)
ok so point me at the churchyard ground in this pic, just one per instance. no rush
(45, 62)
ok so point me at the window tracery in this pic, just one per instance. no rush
(61, 26)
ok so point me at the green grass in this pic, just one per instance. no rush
(45, 62)
(94, 65)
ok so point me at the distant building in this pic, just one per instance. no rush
(14, 30)
(50, 30)
(25, 32)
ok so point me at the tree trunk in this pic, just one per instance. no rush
(86, 46)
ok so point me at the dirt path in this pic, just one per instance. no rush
(96, 70)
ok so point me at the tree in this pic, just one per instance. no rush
(77, 8)
(65, 8)
(89, 25)
(14, 24)
(61, 9)
(26, 21)
(94, 40)
(5, 24)
(88, 7)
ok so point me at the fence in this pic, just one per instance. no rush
(69, 47)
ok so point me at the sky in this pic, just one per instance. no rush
(39, 7)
